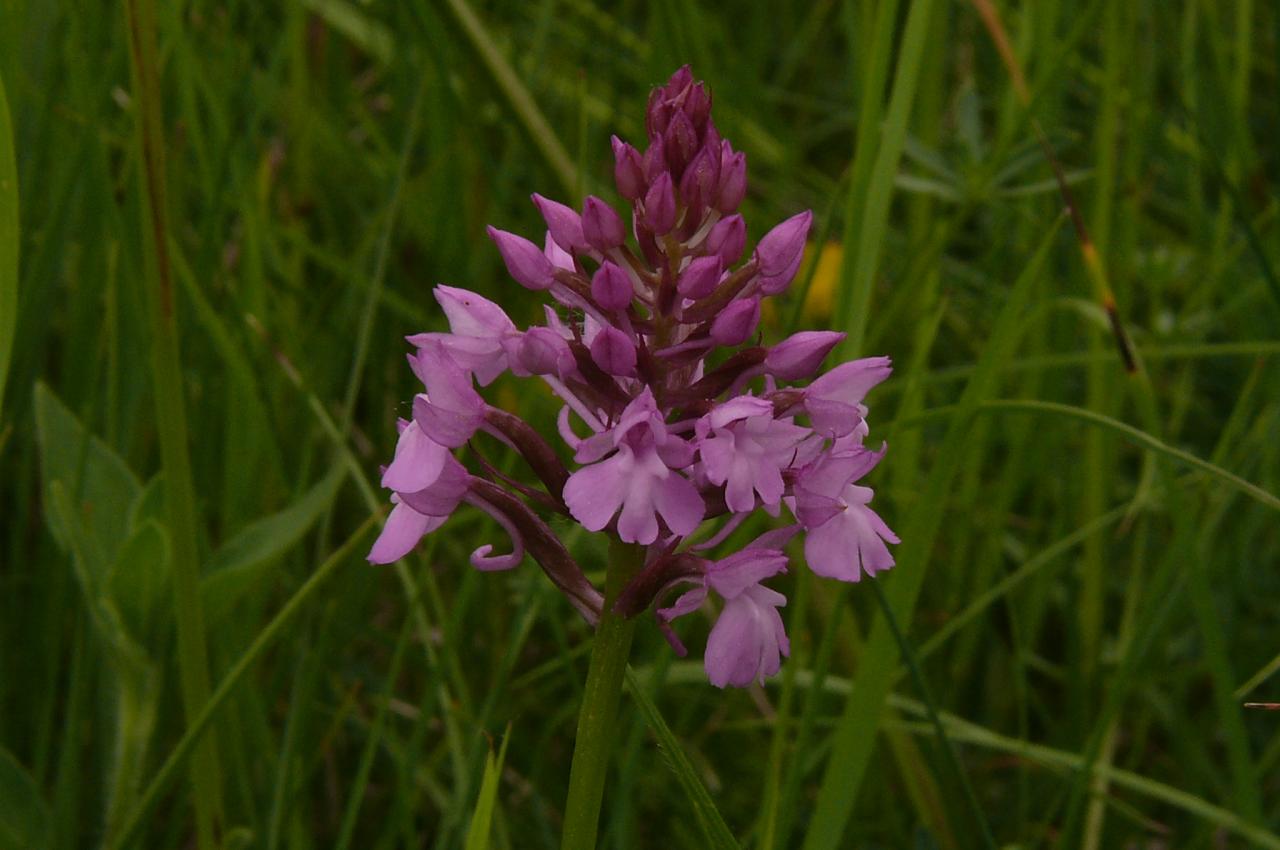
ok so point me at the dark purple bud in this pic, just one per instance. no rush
(781, 246)
(628, 171)
(697, 105)
(563, 223)
(679, 143)
(660, 206)
(678, 81)
(698, 186)
(525, 260)
(727, 239)
(614, 352)
(655, 161)
(736, 323)
(601, 226)
(733, 180)
(658, 114)
(649, 247)
(711, 139)
(799, 355)
(700, 277)
(611, 287)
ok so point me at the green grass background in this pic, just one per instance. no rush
(1087, 590)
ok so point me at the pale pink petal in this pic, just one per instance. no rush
(594, 493)
(417, 463)
(830, 552)
(472, 315)
(402, 531)
(732, 576)
(739, 492)
(637, 523)
(679, 503)
(747, 641)
(850, 382)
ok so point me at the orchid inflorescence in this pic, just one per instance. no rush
(686, 419)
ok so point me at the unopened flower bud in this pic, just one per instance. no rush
(780, 246)
(654, 161)
(613, 352)
(611, 287)
(697, 105)
(660, 206)
(679, 143)
(733, 180)
(524, 260)
(799, 355)
(701, 177)
(700, 277)
(628, 171)
(601, 226)
(727, 239)
(737, 322)
(563, 223)
(678, 81)
(772, 284)
(540, 351)
(658, 114)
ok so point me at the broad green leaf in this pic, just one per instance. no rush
(130, 660)
(149, 505)
(238, 567)
(482, 815)
(713, 826)
(8, 242)
(99, 487)
(24, 815)
(139, 582)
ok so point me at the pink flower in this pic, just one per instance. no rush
(834, 401)
(451, 411)
(845, 537)
(428, 485)
(748, 641)
(674, 410)
(639, 478)
(481, 333)
(745, 449)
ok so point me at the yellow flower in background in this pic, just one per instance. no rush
(819, 301)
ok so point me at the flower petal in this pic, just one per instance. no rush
(402, 531)
(594, 493)
(417, 463)
(679, 503)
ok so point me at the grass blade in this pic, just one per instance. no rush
(197, 728)
(482, 815)
(8, 242)
(513, 91)
(171, 416)
(871, 223)
(855, 734)
(704, 808)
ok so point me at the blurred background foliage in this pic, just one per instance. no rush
(1095, 603)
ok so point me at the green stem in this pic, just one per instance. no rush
(596, 727)
(171, 419)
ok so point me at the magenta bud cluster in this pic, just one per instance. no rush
(674, 414)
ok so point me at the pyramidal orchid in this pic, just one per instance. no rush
(674, 417)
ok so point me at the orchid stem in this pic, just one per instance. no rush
(596, 728)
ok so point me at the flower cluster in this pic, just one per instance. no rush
(673, 414)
